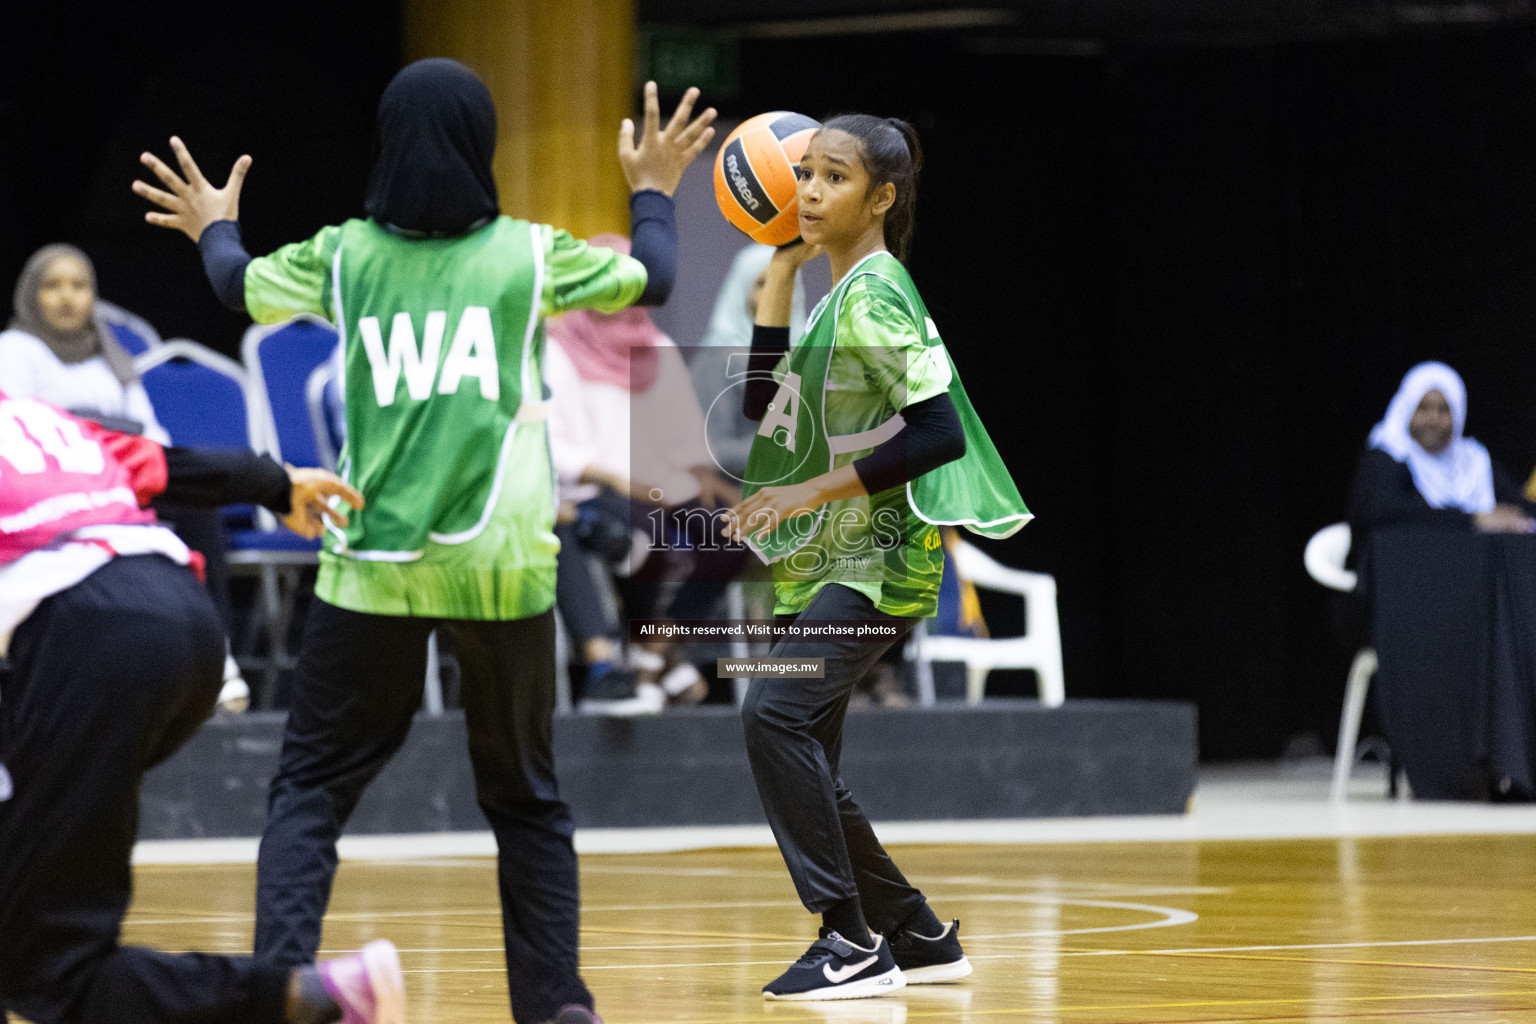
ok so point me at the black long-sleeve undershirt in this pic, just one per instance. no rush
(931, 437)
(768, 345)
(226, 476)
(653, 242)
(224, 262)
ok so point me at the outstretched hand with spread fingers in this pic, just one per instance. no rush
(192, 202)
(662, 154)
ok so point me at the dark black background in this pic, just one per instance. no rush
(85, 88)
(1181, 280)
(1181, 273)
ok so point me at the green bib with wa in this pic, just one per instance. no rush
(439, 338)
(840, 392)
(443, 345)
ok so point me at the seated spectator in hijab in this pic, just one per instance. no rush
(59, 350)
(627, 441)
(1420, 470)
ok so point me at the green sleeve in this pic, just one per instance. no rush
(294, 279)
(876, 324)
(582, 276)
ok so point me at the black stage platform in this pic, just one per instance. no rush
(1001, 759)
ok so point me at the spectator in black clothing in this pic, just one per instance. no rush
(1419, 470)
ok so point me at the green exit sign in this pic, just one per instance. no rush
(677, 58)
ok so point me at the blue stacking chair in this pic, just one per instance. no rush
(281, 359)
(199, 396)
(281, 362)
(205, 399)
(133, 332)
(327, 414)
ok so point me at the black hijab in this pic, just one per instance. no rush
(437, 131)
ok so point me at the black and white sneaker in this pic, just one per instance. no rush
(925, 961)
(834, 968)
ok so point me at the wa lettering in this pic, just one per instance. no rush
(471, 353)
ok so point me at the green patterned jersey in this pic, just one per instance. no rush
(869, 351)
(869, 347)
(443, 353)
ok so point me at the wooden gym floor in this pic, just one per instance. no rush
(1436, 928)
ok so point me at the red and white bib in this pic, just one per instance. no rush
(59, 473)
(71, 499)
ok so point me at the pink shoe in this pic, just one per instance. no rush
(367, 985)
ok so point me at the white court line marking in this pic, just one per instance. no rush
(1051, 885)
(620, 908)
(1172, 916)
(1217, 816)
(1045, 883)
(1029, 955)
(616, 869)
(496, 911)
(1312, 945)
(1033, 955)
(590, 967)
(361, 915)
(743, 944)
(480, 912)
(626, 908)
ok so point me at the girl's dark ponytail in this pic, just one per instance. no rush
(891, 153)
(901, 219)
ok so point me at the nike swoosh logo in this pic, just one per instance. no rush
(844, 973)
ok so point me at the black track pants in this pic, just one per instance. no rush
(794, 732)
(109, 678)
(359, 685)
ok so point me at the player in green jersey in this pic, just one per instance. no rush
(440, 302)
(867, 445)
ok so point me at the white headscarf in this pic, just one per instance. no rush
(730, 324)
(1461, 476)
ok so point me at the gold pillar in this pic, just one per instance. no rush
(560, 73)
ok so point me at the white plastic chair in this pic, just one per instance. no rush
(1324, 559)
(1039, 648)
